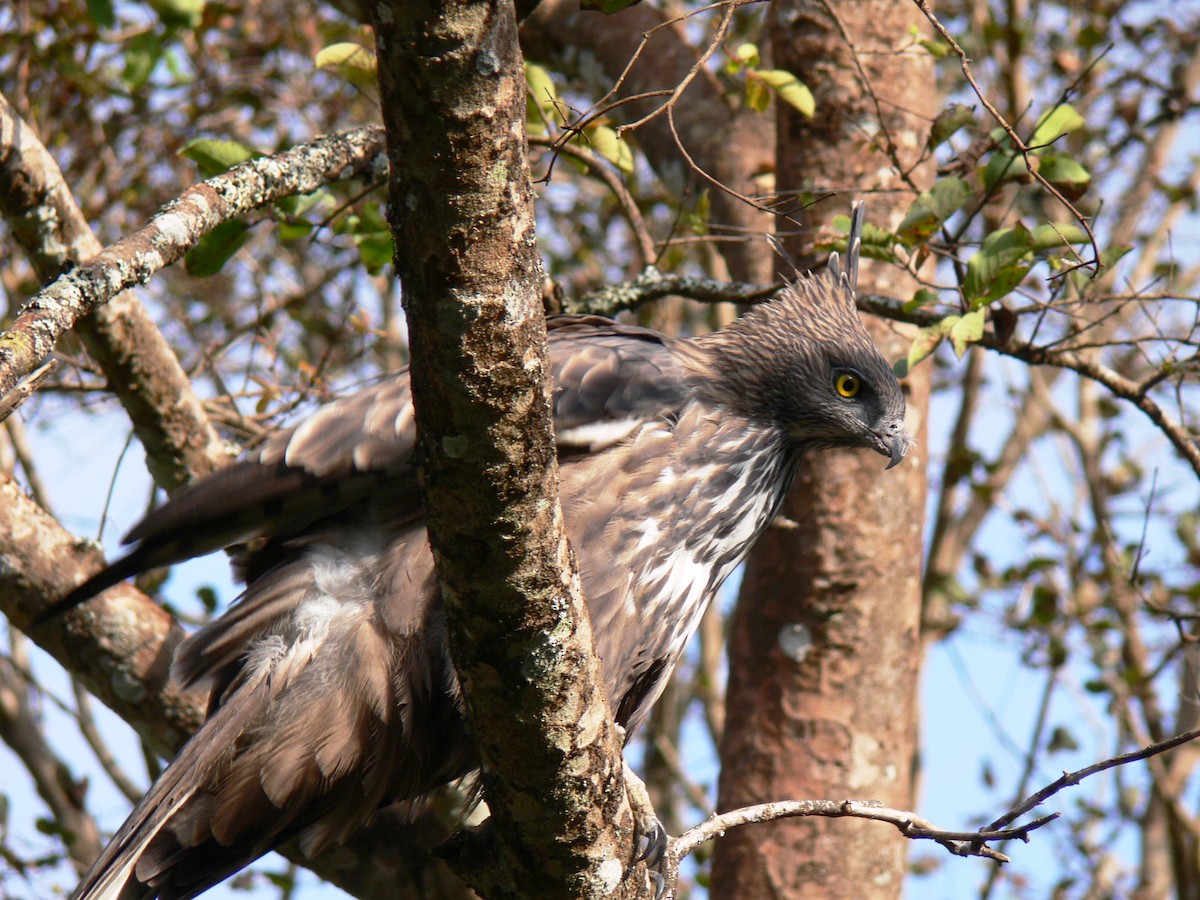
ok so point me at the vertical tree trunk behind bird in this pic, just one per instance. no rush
(824, 643)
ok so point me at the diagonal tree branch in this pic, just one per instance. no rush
(141, 368)
(171, 233)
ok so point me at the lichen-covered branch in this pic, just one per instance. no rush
(142, 370)
(171, 233)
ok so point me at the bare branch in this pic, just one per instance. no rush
(141, 367)
(960, 843)
(643, 240)
(1070, 779)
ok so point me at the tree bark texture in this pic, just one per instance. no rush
(824, 646)
(461, 207)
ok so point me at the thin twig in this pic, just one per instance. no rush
(912, 826)
(25, 388)
(1070, 779)
(647, 249)
(1024, 149)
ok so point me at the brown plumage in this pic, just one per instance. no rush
(332, 691)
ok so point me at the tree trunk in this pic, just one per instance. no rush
(461, 211)
(824, 648)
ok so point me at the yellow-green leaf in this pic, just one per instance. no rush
(1066, 174)
(747, 54)
(931, 209)
(604, 141)
(1055, 123)
(179, 13)
(543, 97)
(351, 61)
(1004, 165)
(966, 331)
(999, 266)
(937, 49)
(790, 89)
(926, 341)
(758, 95)
(1110, 256)
(215, 156)
(142, 53)
(948, 121)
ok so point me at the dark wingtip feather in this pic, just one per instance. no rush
(110, 575)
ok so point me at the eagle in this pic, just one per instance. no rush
(331, 690)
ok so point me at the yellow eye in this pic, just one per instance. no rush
(847, 384)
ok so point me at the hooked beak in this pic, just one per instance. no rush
(893, 442)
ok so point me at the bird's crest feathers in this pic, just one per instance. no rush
(858, 214)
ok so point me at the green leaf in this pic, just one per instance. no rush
(999, 266)
(966, 331)
(376, 250)
(1054, 237)
(208, 597)
(790, 90)
(699, 217)
(1110, 256)
(213, 250)
(758, 95)
(931, 209)
(142, 53)
(876, 242)
(1004, 165)
(927, 340)
(101, 12)
(373, 218)
(748, 56)
(299, 204)
(936, 49)
(948, 121)
(215, 155)
(293, 231)
(1053, 124)
(1066, 174)
(542, 100)
(350, 61)
(608, 7)
(604, 141)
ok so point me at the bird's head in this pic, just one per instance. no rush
(804, 362)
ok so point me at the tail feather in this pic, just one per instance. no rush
(108, 875)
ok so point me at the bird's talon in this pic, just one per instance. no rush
(652, 843)
(657, 882)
